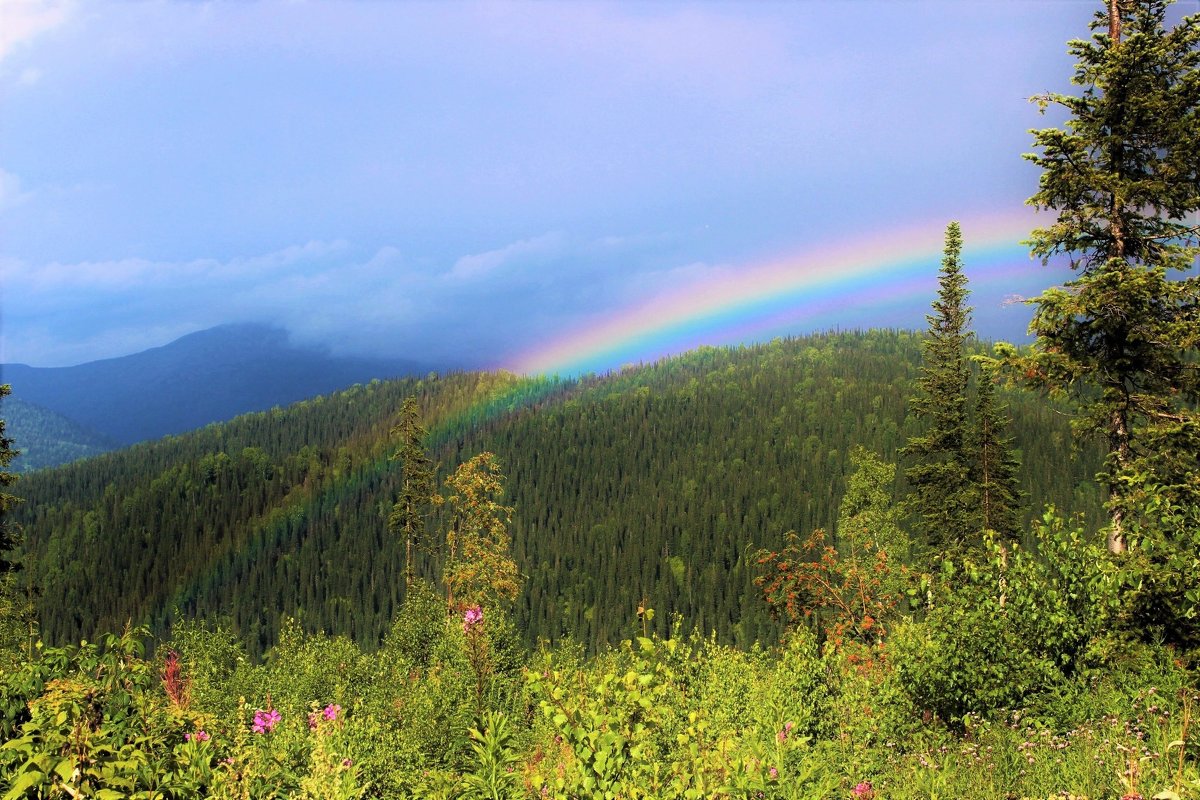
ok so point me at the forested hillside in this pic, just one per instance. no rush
(48, 438)
(654, 483)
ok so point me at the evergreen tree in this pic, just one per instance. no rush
(8, 535)
(940, 475)
(409, 512)
(995, 467)
(13, 614)
(1123, 175)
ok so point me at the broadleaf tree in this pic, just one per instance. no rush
(479, 570)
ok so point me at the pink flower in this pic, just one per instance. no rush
(198, 736)
(347, 762)
(331, 712)
(265, 721)
(312, 722)
(472, 617)
(863, 791)
(774, 773)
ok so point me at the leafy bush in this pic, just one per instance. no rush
(1011, 626)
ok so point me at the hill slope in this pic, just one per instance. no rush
(48, 438)
(652, 483)
(204, 377)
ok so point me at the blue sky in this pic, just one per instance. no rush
(455, 182)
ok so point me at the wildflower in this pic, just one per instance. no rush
(312, 721)
(472, 617)
(347, 762)
(198, 736)
(265, 721)
(863, 791)
(331, 712)
(774, 773)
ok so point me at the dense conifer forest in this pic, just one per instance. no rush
(655, 484)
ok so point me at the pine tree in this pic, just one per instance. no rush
(940, 475)
(417, 490)
(1123, 176)
(995, 468)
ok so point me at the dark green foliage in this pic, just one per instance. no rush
(940, 474)
(1162, 572)
(1123, 176)
(8, 534)
(656, 482)
(848, 590)
(1008, 625)
(15, 614)
(417, 485)
(49, 439)
(994, 469)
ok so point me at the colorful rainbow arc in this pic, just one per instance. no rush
(786, 296)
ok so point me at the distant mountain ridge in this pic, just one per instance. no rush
(208, 376)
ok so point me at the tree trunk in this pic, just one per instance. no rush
(1120, 444)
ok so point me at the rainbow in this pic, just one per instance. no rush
(787, 296)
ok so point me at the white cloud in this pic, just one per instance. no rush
(24, 20)
(473, 309)
(11, 194)
(477, 265)
(139, 274)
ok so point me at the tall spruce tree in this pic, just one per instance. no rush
(1123, 175)
(940, 472)
(417, 486)
(995, 467)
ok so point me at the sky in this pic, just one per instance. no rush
(504, 184)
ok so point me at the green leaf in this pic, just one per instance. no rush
(24, 781)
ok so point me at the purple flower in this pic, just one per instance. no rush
(472, 617)
(774, 773)
(198, 736)
(331, 712)
(347, 762)
(265, 721)
(863, 791)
